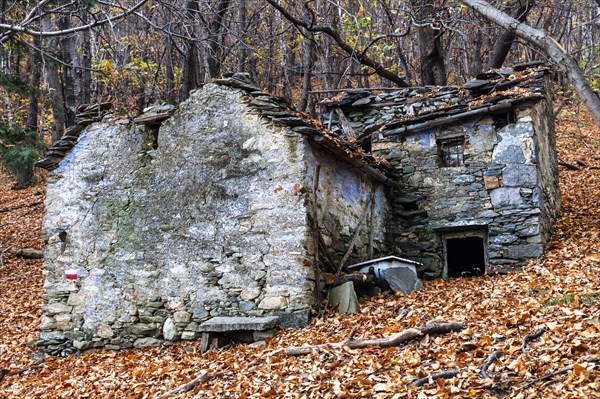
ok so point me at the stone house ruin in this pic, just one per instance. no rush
(475, 167)
(155, 231)
(212, 219)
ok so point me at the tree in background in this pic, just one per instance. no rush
(137, 52)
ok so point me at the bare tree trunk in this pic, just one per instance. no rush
(33, 108)
(433, 69)
(215, 31)
(309, 62)
(190, 70)
(507, 37)
(549, 46)
(85, 73)
(170, 73)
(55, 86)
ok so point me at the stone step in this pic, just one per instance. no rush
(228, 324)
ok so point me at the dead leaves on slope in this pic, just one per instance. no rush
(560, 293)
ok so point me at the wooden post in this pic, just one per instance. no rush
(371, 227)
(316, 234)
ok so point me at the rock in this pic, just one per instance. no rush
(169, 330)
(189, 335)
(525, 251)
(344, 298)
(82, 345)
(517, 175)
(403, 279)
(491, 182)
(250, 294)
(105, 331)
(182, 317)
(56, 308)
(506, 196)
(476, 84)
(273, 303)
(200, 313)
(146, 342)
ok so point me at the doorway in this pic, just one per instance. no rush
(465, 256)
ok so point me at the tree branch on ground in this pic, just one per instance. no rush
(392, 340)
(488, 362)
(552, 374)
(531, 337)
(187, 386)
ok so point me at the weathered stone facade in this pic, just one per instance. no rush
(213, 222)
(212, 215)
(500, 190)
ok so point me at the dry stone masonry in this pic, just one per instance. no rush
(210, 218)
(201, 220)
(476, 168)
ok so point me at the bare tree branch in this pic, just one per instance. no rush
(335, 35)
(21, 27)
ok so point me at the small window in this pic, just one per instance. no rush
(505, 118)
(451, 152)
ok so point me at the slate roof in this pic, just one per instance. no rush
(490, 92)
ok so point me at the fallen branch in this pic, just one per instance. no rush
(531, 337)
(569, 166)
(363, 218)
(34, 366)
(555, 373)
(27, 253)
(488, 362)
(392, 340)
(186, 387)
(432, 377)
(12, 208)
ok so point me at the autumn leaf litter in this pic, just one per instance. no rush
(559, 292)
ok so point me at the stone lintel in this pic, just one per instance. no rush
(227, 324)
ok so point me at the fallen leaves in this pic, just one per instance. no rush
(559, 292)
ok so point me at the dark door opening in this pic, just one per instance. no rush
(465, 257)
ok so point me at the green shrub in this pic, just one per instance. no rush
(19, 149)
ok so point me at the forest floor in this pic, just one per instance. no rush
(559, 292)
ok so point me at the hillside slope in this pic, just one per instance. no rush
(559, 293)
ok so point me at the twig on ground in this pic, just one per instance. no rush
(569, 166)
(12, 208)
(186, 387)
(432, 377)
(531, 337)
(488, 362)
(557, 372)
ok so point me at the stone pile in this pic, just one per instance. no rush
(86, 115)
(154, 115)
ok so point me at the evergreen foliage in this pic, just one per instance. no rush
(19, 149)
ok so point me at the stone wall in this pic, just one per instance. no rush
(345, 198)
(506, 191)
(213, 222)
(498, 190)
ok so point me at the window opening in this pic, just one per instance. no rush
(505, 118)
(451, 152)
